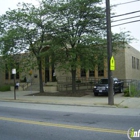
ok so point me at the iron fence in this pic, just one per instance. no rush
(83, 83)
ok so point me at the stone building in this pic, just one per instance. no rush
(127, 63)
(127, 67)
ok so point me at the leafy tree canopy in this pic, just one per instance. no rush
(74, 30)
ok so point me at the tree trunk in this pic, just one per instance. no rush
(73, 72)
(40, 76)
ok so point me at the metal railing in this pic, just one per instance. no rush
(134, 88)
(83, 83)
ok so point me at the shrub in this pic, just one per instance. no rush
(126, 92)
(132, 93)
(78, 81)
(91, 82)
(5, 88)
(133, 90)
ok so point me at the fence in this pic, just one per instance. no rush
(65, 83)
(134, 88)
(83, 83)
(79, 86)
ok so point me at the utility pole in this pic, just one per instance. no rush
(109, 53)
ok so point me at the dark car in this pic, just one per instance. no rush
(102, 87)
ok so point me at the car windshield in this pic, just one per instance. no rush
(104, 81)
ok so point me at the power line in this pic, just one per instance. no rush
(126, 14)
(125, 3)
(126, 18)
(125, 23)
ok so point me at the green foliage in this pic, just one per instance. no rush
(26, 29)
(126, 92)
(23, 80)
(91, 82)
(78, 81)
(5, 88)
(75, 32)
(78, 33)
(133, 90)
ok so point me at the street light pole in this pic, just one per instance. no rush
(109, 53)
(14, 73)
(14, 87)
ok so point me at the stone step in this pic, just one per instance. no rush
(33, 87)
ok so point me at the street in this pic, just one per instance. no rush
(29, 121)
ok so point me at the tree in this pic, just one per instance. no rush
(75, 32)
(79, 27)
(27, 29)
(80, 36)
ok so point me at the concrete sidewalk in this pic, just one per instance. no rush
(89, 100)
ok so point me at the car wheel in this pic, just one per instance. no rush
(121, 90)
(95, 94)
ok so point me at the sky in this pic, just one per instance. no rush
(134, 27)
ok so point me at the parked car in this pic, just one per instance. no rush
(102, 86)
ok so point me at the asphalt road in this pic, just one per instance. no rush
(25, 121)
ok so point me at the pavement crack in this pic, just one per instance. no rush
(67, 115)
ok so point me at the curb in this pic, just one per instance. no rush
(52, 103)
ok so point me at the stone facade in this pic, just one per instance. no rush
(127, 63)
(127, 67)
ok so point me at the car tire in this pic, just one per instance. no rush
(121, 90)
(95, 94)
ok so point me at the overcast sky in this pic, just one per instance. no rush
(134, 28)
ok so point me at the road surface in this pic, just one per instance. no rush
(28, 121)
